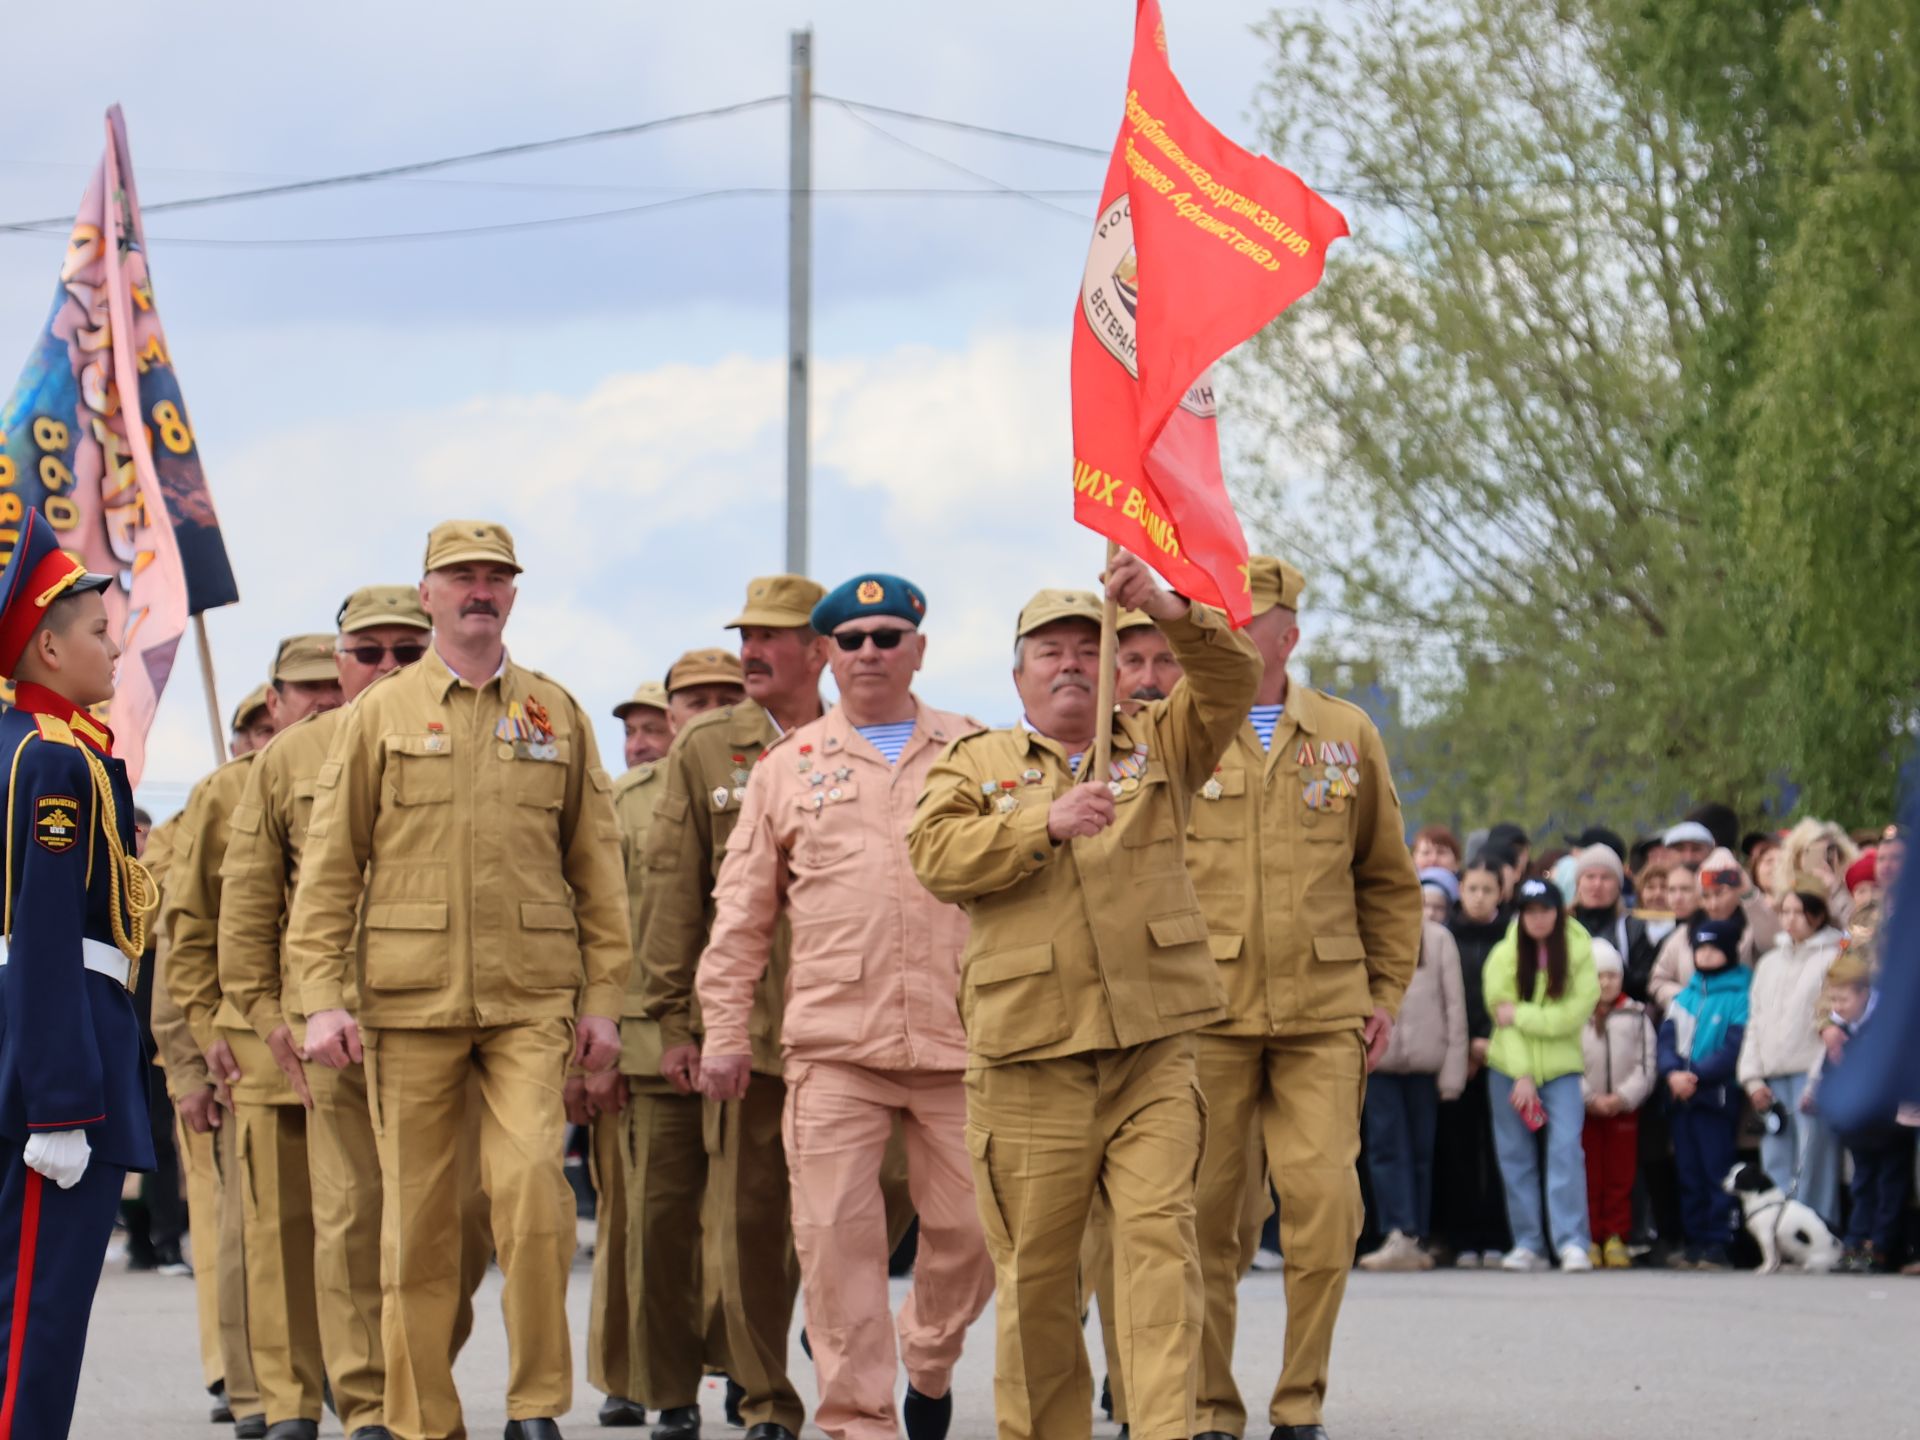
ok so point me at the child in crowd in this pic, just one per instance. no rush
(1699, 1051)
(1541, 987)
(1469, 1201)
(1425, 1063)
(1439, 893)
(1618, 1046)
(1882, 1154)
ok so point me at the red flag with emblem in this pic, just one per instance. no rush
(1198, 245)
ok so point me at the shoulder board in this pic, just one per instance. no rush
(54, 730)
(1346, 707)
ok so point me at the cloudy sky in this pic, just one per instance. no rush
(613, 391)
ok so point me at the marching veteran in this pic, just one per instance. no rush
(663, 1310)
(465, 802)
(270, 1140)
(1086, 973)
(1298, 855)
(745, 1165)
(381, 627)
(73, 1084)
(871, 1030)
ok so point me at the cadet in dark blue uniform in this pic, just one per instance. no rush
(73, 1094)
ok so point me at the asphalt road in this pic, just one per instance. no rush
(1445, 1354)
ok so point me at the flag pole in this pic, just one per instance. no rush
(1100, 769)
(207, 686)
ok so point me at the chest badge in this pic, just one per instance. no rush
(56, 823)
(1213, 789)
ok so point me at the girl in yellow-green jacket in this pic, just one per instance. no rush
(1541, 988)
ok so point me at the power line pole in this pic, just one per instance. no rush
(799, 292)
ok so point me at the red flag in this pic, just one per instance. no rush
(1198, 244)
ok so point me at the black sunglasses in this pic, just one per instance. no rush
(369, 653)
(852, 640)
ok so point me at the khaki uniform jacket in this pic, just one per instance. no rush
(1308, 886)
(1097, 943)
(875, 967)
(174, 1046)
(489, 866)
(190, 918)
(634, 796)
(261, 869)
(693, 819)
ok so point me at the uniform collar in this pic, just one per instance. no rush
(440, 676)
(1303, 707)
(840, 733)
(748, 723)
(34, 699)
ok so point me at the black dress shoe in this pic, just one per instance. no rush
(371, 1432)
(1299, 1432)
(767, 1430)
(533, 1430)
(616, 1411)
(926, 1418)
(294, 1430)
(736, 1396)
(682, 1422)
(222, 1413)
(250, 1427)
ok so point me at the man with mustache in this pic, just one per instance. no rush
(1086, 974)
(706, 774)
(1146, 667)
(464, 803)
(324, 1222)
(870, 1033)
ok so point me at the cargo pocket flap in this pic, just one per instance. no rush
(1011, 964)
(1225, 947)
(545, 915)
(1338, 947)
(827, 970)
(407, 915)
(1171, 930)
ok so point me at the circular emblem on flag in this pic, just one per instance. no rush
(1110, 298)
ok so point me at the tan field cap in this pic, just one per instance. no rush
(470, 542)
(305, 659)
(705, 667)
(651, 695)
(255, 702)
(1051, 605)
(779, 602)
(373, 605)
(1274, 582)
(1133, 620)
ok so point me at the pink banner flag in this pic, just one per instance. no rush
(97, 438)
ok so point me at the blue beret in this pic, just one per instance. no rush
(868, 595)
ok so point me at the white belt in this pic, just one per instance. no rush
(96, 955)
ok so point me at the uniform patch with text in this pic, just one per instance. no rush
(56, 822)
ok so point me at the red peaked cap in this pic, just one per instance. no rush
(38, 573)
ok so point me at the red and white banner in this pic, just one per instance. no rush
(1197, 246)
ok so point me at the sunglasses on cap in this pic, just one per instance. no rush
(371, 652)
(852, 640)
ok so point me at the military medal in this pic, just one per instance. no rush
(720, 797)
(739, 771)
(436, 737)
(836, 793)
(1032, 777)
(843, 774)
(805, 762)
(1212, 790)
(1305, 757)
(817, 779)
(1353, 775)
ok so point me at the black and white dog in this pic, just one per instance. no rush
(1784, 1229)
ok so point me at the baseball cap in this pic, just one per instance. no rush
(457, 542)
(373, 605)
(651, 695)
(1050, 605)
(779, 602)
(305, 659)
(704, 667)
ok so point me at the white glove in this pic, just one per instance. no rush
(60, 1155)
